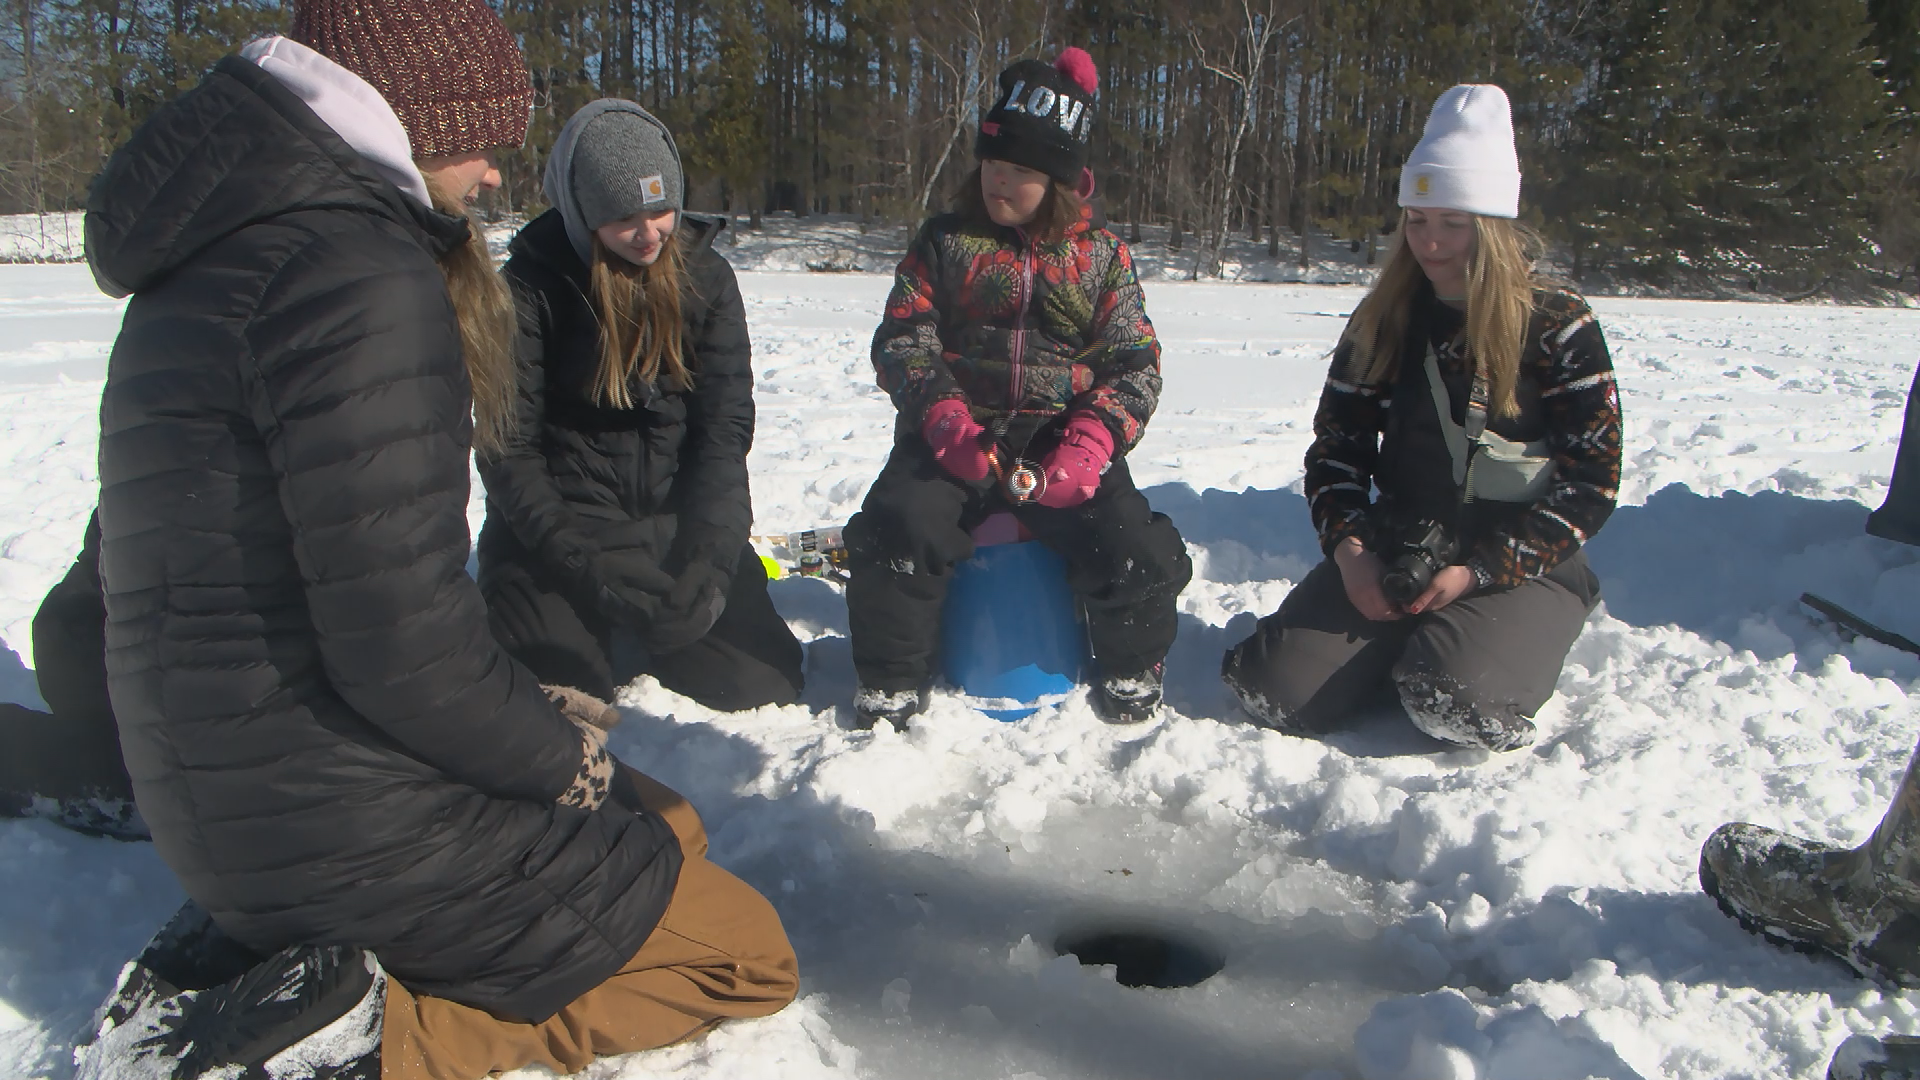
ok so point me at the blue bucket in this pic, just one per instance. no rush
(1011, 629)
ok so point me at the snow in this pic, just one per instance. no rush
(42, 238)
(1387, 909)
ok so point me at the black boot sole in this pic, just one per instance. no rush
(899, 718)
(1123, 714)
(1866, 969)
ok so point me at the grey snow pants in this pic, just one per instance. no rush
(1472, 673)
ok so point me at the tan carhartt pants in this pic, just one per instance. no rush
(718, 952)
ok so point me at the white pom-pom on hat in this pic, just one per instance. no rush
(1466, 158)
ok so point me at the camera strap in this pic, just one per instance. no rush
(1461, 440)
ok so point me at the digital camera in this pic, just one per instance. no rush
(1413, 552)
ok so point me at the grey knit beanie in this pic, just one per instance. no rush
(613, 160)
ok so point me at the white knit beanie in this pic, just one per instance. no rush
(1466, 159)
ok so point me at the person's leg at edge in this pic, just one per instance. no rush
(66, 763)
(750, 658)
(1311, 665)
(718, 953)
(1898, 518)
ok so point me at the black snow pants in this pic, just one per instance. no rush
(1899, 517)
(750, 658)
(72, 757)
(1126, 565)
(1495, 655)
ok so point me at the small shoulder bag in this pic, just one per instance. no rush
(1485, 465)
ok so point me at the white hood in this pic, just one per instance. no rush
(346, 103)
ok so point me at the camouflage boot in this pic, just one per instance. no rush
(1862, 905)
(1863, 1057)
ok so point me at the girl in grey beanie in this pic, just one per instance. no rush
(619, 510)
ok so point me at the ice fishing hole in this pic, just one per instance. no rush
(1142, 955)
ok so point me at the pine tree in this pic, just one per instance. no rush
(1896, 45)
(1730, 139)
(727, 139)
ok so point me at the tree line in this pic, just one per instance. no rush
(1763, 144)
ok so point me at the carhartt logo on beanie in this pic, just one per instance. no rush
(612, 160)
(1466, 158)
(449, 68)
(1043, 116)
(624, 163)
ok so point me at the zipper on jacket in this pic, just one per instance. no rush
(1018, 346)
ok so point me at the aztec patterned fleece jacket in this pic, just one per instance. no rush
(1018, 330)
(1566, 394)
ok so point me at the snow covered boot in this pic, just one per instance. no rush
(1862, 905)
(896, 707)
(195, 1003)
(1129, 699)
(1863, 1057)
(1440, 706)
(65, 772)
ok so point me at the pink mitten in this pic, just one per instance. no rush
(955, 439)
(1073, 467)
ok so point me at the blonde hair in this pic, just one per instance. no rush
(639, 310)
(1500, 284)
(483, 307)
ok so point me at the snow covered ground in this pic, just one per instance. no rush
(1385, 908)
(42, 238)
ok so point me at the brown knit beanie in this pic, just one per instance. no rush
(449, 68)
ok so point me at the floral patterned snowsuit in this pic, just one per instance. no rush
(1024, 333)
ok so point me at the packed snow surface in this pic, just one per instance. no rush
(1385, 908)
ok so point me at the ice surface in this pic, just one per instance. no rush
(1388, 907)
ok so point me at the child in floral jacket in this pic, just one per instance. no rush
(1017, 349)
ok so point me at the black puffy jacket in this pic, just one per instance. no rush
(324, 737)
(667, 478)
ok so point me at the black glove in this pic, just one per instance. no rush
(691, 608)
(621, 582)
(628, 588)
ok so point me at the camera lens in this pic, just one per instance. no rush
(1403, 584)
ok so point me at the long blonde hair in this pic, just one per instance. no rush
(1500, 284)
(483, 306)
(639, 310)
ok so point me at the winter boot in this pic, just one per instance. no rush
(66, 772)
(197, 1003)
(1129, 699)
(1862, 905)
(896, 707)
(1440, 706)
(1863, 1057)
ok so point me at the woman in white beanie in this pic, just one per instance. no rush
(1479, 403)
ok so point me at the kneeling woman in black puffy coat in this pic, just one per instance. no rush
(617, 516)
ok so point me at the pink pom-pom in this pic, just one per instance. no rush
(1075, 64)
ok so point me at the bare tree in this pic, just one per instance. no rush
(968, 72)
(1251, 34)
